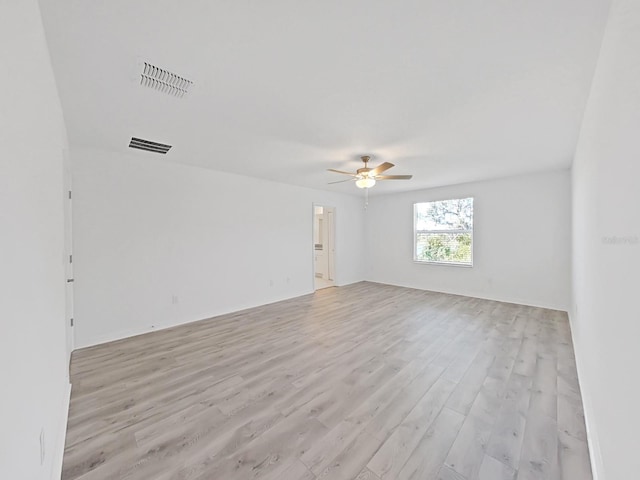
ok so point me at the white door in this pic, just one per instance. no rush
(68, 249)
(329, 216)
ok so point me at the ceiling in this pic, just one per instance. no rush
(449, 91)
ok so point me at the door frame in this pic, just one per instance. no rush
(68, 254)
(331, 244)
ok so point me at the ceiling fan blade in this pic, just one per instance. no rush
(380, 168)
(340, 171)
(394, 177)
(342, 181)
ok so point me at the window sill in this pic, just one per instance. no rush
(444, 264)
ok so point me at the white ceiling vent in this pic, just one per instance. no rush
(164, 81)
(148, 145)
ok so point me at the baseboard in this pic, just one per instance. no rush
(56, 472)
(121, 335)
(595, 455)
(481, 296)
(344, 283)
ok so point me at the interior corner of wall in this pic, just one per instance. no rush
(593, 443)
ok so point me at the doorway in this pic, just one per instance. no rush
(323, 246)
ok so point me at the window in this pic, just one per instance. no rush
(443, 232)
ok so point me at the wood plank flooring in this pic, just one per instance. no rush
(366, 381)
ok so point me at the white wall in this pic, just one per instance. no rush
(606, 250)
(33, 357)
(521, 241)
(146, 230)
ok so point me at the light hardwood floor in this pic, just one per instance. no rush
(360, 382)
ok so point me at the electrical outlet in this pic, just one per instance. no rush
(175, 300)
(42, 445)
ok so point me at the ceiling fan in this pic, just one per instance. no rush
(366, 177)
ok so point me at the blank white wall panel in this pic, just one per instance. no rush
(605, 318)
(159, 243)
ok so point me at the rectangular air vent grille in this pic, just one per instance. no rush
(149, 146)
(164, 81)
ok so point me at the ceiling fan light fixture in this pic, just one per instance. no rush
(365, 182)
(366, 177)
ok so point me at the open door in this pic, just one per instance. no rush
(323, 246)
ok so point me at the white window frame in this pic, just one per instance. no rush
(416, 232)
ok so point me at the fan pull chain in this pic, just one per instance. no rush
(366, 198)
